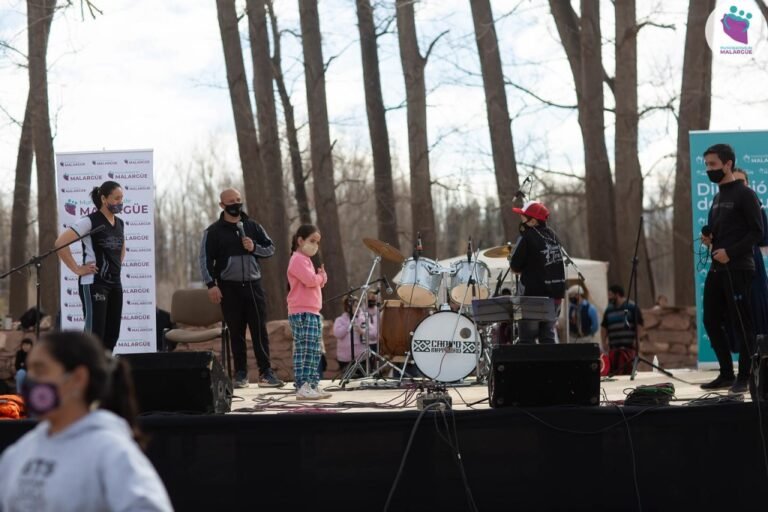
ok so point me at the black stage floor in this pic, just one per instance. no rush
(559, 458)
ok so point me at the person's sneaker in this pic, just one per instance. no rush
(307, 393)
(321, 393)
(241, 380)
(268, 379)
(721, 382)
(739, 387)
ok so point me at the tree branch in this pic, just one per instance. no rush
(432, 45)
(763, 8)
(539, 98)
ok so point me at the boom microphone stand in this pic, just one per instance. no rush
(37, 262)
(633, 286)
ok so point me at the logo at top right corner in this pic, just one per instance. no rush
(736, 23)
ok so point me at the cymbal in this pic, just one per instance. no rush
(501, 251)
(384, 250)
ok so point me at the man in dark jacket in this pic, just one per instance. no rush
(538, 258)
(736, 226)
(229, 255)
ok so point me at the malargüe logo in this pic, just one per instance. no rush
(70, 207)
(736, 24)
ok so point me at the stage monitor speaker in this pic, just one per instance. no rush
(539, 375)
(191, 382)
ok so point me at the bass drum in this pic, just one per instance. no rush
(446, 346)
(398, 322)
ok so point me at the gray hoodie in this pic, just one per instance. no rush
(92, 465)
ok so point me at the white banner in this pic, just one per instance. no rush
(77, 174)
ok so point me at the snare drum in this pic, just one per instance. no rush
(398, 321)
(446, 346)
(419, 282)
(458, 282)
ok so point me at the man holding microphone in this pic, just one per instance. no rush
(229, 255)
(735, 226)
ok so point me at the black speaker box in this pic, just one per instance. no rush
(538, 375)
(192, 382)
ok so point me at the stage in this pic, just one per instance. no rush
(274, 452)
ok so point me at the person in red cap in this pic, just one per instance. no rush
(538, 258)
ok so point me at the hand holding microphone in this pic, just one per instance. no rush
(706, 235)
(247, 242)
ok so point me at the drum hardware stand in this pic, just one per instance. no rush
(566, 262)
(479, 341)
(357, 363)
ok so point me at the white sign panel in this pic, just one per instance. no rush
(77, 174)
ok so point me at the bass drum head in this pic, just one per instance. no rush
(445, 346)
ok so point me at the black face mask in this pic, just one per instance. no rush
(234, 209)
(574, 301)
(716, 175)
(371, 303)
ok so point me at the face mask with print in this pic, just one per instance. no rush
(115, 208)
(40, 397)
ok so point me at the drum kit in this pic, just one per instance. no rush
(431, 324)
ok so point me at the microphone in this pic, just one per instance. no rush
(386, 283)
(469, 250)
(520, 194)
(706, 230)
(97, 229)
(241, 229)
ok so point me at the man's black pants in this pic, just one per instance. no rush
(727, 301)
(242, 305)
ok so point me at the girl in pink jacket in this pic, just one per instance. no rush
(366, 326)
(305, 299)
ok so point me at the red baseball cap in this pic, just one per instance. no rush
(534, 210)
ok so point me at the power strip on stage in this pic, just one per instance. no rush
(424, 400)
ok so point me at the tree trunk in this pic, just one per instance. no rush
(297, 170)
(422, 210)
(322, 159)
(39, 13)
(499, 124)
(581, 40)
(695, 104)
(247, 142)
(275, 281)
(386, 214)
(19, 294)
(629, 178)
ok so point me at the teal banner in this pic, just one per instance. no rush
(751, 149)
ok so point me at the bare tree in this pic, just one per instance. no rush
(19, 294)
(39, 13)
(247, 142)
(499, 124)
(695, 106)
(20, 222)
(386, 212)
(423, 214)
(629, 178)
(322, 160)
(270, 153)
(297, 169)
(581, 40)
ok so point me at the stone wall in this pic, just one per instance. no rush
(671, 336)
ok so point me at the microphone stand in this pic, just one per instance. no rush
(633, 287)
(37, 262)
(567, 260)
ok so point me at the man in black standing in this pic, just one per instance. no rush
(229, 255)
(735, 226)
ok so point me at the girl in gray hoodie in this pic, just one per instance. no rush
(83, 455)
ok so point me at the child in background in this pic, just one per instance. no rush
(21, 362)
(305, 299)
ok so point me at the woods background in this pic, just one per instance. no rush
(476, 112)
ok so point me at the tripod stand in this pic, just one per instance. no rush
(633, 287)
(37, 262)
